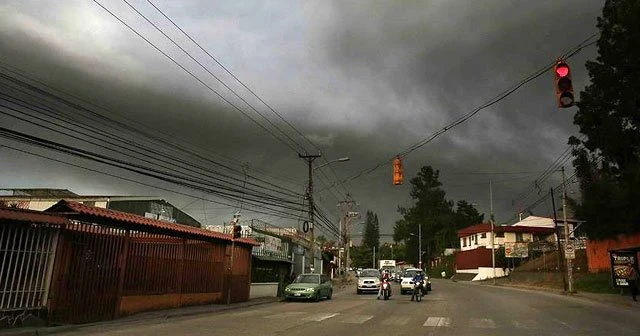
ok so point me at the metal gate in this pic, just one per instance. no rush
(91, 267)
(26, 261)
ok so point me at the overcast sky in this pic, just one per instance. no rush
(364, 79)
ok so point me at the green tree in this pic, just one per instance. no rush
(371, 236)
(435, 216)
(608, 162)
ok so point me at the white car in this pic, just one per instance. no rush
(406, 284)
(368, 281)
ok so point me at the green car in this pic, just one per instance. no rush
(309, 287)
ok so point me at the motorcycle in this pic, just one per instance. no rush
(386, 289)
(418, 291)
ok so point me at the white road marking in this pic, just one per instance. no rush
(396, 320)
(482, 323)
(284, 315)
(525, 324)
(320, 317)
(356, 319)
(437, 322)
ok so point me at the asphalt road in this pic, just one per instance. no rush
(450, 309)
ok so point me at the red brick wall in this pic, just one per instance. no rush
(472, 259)
(598, 250)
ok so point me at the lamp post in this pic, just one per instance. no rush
(419, 245)
(310, 159)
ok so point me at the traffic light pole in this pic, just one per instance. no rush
(310, 159)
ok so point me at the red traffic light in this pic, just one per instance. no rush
(562, 69)
(564, 87)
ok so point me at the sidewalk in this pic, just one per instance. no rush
(141, 317)
(610, 299)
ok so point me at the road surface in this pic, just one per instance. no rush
(450, 309)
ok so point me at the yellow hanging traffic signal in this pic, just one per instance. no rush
(398, 173)
(564, 87)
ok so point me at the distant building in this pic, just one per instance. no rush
(150, 207)
(475, 257)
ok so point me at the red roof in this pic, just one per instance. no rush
(486, 227)
(65, 206)
(30, 216)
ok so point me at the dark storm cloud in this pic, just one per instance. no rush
(363, 79)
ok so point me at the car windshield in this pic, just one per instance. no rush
(307, 278)
(410, 274)
(370, 273)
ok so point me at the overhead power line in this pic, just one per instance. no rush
(573, 51)
(323, 157)
(207, 86)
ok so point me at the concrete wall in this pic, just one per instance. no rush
(263, 289)
(487, 273)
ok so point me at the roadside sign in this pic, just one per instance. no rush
(570, 252)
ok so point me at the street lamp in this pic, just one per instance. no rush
(342, 159)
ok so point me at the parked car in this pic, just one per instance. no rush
(368, 281)
(309, 287)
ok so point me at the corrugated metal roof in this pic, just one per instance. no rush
(70, 206)
(31, 216)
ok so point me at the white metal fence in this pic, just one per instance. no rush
(26, 262)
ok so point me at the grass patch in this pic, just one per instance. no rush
(595, 283)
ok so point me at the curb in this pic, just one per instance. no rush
(39, 331)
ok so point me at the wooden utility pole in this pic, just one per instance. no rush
(310, 159)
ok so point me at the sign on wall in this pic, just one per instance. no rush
(516, 250)
(620, 268)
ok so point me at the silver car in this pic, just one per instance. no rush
(368, 281)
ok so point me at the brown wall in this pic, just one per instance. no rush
(472, 259)
(598, 250)
(139, 303)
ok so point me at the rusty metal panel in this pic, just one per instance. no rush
(90, 281)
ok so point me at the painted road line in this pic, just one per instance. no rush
(482, 323)
(284, 315)
(320, 317)
(437, 322)
(356, 319)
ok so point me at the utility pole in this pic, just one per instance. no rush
(567, 245)
(493, 237)
(310, 159)
(347, 207)
(559, 247)
(420, 246)
(374, 258)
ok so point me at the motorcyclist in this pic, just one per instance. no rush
(386, 276)
(419, 277)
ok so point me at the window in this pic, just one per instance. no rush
(499, 234)
(476, 239)
(519, 237)
(483, 235)
(464, 244)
